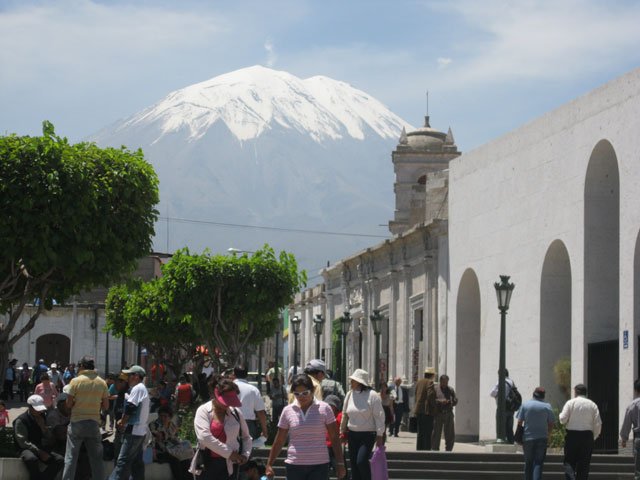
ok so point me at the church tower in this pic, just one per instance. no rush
(421, 155)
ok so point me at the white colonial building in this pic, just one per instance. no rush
(555, 205)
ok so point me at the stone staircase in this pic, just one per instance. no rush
(482, 466)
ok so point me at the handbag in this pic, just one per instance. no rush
(517, 437)
(181, 450)
(378, 464)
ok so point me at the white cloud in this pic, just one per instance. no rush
(443, 62)
(271, 53)
(545, 39)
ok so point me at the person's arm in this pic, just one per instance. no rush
(262, 418)
(597, 422)
(454, 398)
(21, 434)
(626, 427)
(378, 417)
(332, 429)
(565, 414)
(70, 401)
(278, 443)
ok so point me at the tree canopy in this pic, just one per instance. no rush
(233, 301)
(72, 217)
(141, 311)
(226, 302)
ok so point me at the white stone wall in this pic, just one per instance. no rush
(510, 199)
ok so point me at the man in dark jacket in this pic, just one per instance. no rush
(425, 409)
(30, 432)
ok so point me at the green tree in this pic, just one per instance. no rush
(72, 217)
(233, 301)
(140, 310)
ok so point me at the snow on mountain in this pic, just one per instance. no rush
(250, 100)
(262, 147)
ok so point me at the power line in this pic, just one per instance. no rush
(278, 229)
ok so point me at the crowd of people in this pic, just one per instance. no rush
(71, 412)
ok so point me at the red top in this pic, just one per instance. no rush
(217, 430)
(338, 420)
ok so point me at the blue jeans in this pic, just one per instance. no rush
(307, 472)
(130, 459)
(535, 452)
(85, 432)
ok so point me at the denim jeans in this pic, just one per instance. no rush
(307, 472)
(535, 452)
(130, 459)
(636, 454)
(85, 432)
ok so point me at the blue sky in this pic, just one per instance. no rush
(489, 66)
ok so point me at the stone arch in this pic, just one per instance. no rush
(53, 347)
(602, 287)
(468, 357)
(555, 318)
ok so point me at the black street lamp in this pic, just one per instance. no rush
(504, 289)
(295, 326)
(376, 323)
(318, 327)
(345, 324)
(275, 368)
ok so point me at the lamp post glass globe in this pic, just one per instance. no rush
(504, 289)
(295, 326)
(318, 324)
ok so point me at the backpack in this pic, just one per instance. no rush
(330, 387)
(513, 400)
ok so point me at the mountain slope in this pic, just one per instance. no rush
(263, 147)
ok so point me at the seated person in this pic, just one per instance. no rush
(168, 445)
(30, 433)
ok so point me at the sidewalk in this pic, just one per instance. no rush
(406, 442)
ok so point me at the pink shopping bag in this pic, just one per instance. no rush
(378, 462)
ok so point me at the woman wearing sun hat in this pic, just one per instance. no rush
(363, 419)
(218, 424)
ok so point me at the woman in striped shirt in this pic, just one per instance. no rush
(305, 421)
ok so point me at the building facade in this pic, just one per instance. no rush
(405, 278)
(554, 204)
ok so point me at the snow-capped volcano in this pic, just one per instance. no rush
(263, 147)
(252, 100)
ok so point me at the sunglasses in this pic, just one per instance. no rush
(304, 393)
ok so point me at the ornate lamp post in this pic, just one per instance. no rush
(295, 326)
(504, 289)
(345, 324)
(376, 324)
(318, 327)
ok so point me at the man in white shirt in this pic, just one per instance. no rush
(400, 396)
(253, 409)
(133, 424)
(582, 420)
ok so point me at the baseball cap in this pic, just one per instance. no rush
(37, 403)
(123, 376)
(137, 369)
(317, 365)
(53, 365)
(333, 400)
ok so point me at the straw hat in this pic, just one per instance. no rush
(360, 376)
